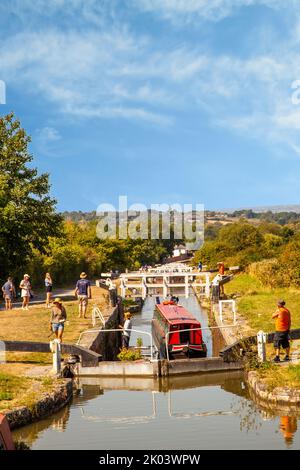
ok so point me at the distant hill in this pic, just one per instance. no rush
(274, 209)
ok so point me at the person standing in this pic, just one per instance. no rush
(83, 292)
(127, 327)
(221, 268)
(58, 318)
(25, 287)
(9, 293)
(200, 266)
(48, 286)
(282, 319)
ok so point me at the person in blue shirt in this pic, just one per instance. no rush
(9, 292)
(83, 292)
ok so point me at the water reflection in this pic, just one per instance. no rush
(288, 427)
(204, 411)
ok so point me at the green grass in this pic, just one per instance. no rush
(256, 303)
(22, 391)
(275, 376)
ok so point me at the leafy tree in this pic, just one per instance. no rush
(27, 213)
(240, 236)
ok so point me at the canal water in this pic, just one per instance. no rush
(211, 411)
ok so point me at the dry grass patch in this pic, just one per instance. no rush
(33, 325)
(280, 376)
(17, 390)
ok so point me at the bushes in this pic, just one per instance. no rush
(271, 250)
(129, 355)
(239, 243)
(267, 271)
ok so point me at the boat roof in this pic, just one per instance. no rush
(177, 314)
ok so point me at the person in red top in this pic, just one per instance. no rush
(221, 269)
(282, 318)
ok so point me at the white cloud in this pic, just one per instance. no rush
(108, 72)
(213, 10)
(49, 134)
(81, 74)
(45, 140)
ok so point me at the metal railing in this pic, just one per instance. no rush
(233, 307)
(193, 329)
(120, 330)
(197, 414)
(96, 313)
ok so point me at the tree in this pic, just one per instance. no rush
(27, 213)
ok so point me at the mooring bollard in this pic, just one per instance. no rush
(56, 350)
(261, 346)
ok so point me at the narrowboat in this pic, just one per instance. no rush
(169, 323)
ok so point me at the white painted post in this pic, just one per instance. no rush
(186, 286)
(234, 311)
(123, 288)
(221, 311)
(261, 345)
(144, 289)
(165, 288)
(207, 286)
(56, 350)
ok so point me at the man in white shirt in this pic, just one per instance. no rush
(127, 327)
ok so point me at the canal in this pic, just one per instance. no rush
(212, 411)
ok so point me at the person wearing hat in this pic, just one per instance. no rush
(282, 319)
(83, 292)
(58, 317)
(25, 287)
(127, 327)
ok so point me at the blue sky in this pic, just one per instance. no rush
(165, 101)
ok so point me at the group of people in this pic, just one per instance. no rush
(83, 292)
(10, 294)
(58, 314)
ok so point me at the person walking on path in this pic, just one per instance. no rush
(25, 287)
(127, 327)
(9, 293)
(57, 318)
(48, 285)
(282, 319)
(83, 292)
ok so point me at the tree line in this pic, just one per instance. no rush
(268, 250)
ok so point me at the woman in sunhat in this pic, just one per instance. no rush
(57, 318)
(25, 287)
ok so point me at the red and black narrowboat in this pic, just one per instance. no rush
(168, 325)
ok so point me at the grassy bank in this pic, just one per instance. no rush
(256, 303)
(33, 325)
(284, 376)
(16, 390)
